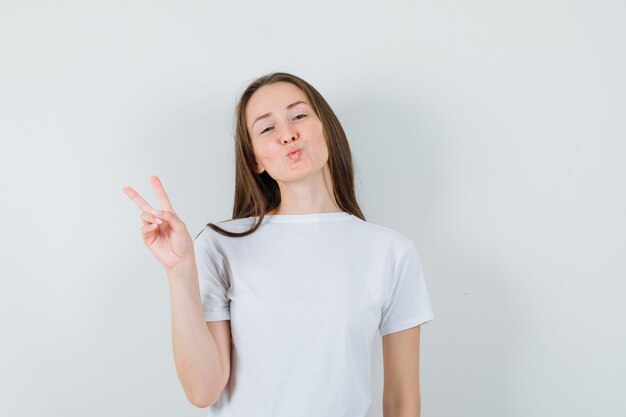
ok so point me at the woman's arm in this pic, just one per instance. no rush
(196, 350)
(401, 394)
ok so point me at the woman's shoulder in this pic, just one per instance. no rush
(382, 233)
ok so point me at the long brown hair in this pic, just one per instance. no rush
(256, 194)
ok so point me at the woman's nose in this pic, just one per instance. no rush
(288, 134)
(288, 138)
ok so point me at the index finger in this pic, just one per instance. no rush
(140, 202)
(161, 195)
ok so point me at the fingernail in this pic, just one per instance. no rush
(159, 221)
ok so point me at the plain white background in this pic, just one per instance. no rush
(490, 132)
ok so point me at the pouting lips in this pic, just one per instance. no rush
(294, 155)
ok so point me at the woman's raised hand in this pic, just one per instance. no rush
(163, 233)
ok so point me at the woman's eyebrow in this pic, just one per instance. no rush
(269, 114)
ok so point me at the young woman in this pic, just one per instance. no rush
(275, 311)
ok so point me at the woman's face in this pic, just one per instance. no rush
(277, 125)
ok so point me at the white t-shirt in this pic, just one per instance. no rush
(305, 295)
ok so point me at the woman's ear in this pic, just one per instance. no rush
(258, 168)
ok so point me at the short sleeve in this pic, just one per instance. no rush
(408, 303)
(214, 283)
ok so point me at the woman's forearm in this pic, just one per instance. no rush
(412, 409)
(196, 352)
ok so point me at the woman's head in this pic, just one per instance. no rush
(279, 120)
(268, 126)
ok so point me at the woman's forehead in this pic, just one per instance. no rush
(274, 96)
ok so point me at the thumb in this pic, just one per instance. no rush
(171, 217)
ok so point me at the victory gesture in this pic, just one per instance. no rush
(163, 232)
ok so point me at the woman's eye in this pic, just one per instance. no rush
(270, 127)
